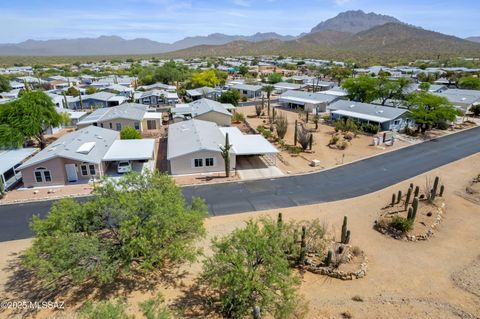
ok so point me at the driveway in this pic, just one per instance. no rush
(254, 167)
(346, 181)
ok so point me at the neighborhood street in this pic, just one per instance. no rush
(346, 181)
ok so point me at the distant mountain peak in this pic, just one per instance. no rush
(473, 39)
(354, 21)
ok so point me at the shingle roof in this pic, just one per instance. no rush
(68, 145)
(129, 111)
(193, 136)
(381, 113)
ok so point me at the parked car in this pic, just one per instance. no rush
(124, 167)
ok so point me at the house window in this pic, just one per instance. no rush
(396, 122)
(151, 124)
(111, 126)
(84, 170)
(42, 175)
(245, 92)
(101, 124)
(136, 125)
(209, 161)
(118, 126)
(92, 169)
(198, 162)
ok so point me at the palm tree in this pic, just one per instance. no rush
(268, 89)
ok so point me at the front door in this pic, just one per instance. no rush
(71, 170)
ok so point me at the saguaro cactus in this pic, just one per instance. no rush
(409, 195)
(344, 230)
(433, 193)
(328, 261)
(415, 208)
(303, 245)
(393, 200)
(280, 220)
(310, 142)
(442, 189)
(410, 213)
(417, 191)
(399, 197)
(295, 134)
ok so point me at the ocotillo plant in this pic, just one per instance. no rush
(295, 134)
(393, 200)
(417, 191)
(344, 230)
(442, 189)
(399, 197)
(415, 208)
(407, 199)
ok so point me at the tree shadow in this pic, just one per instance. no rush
(24, 284)
(196, 302)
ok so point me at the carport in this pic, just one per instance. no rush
(141, 154)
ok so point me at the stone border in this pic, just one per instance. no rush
(335, 273)
(396, 234)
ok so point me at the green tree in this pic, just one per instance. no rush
(249, 269)
(363, 88)
(72, 91)
(469, 83)
(475, 109)
(243, 70)
(138, 223)
(274, 78)
(130, 133)
(429, 111)
(268, 89)
(339, 73)
(27, 118)
(4, 84)
(231, 96)
(424, 86)
(205, 78)
(90, 90)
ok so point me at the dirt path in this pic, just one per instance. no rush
(404, 279)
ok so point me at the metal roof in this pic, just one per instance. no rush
(243, 144)
(372, 112)
(67, 146)
(10, 158)
(129, 111)
(202, 106)
(131, 150)
(301, 97)
(192, 136)
(247, 87)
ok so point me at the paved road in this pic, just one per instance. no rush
(346, 181)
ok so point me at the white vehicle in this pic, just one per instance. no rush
(124, 167)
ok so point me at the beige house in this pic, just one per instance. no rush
(83, 155)
(205, 110)
(118, 117)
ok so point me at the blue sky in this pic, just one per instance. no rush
(171, 20)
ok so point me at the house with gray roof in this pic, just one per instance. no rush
(203, 92)
(118, 117)
(388, 118)
(10, 160)
(248, 90)
(204, 109)
(461, 99)
(194, 147)
(84, 155)
(281, 87)
(97, 100)
(308, 101)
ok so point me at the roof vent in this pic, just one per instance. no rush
(352, 105)
(85, 148)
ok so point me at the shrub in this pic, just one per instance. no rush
(333, 140)
(442, 125)
(475, 109)
(370, 128)
(244, 99)
(281, 124)
(402, 224)
(342, 145)
(129, 133)
(238, 117)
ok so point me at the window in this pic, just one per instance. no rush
(111, 126)
(84, 170)
(198, 162)
(209, 161)
(136, 125)
(101, 124)
(92, 169)
(118, 126)
(396, 122)
(151, 124)
(245, 92)
(42, 175)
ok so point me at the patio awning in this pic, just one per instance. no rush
(361, 116)
(130, 150)
(248, 144)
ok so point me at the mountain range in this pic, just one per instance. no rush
(351, 34)
(473, 39)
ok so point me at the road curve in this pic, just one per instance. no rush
(343, 182)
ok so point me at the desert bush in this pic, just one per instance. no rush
(333, 140)
(281, 124)
(238, 117)
(342, 145)
(402, 224)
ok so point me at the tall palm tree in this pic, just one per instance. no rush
(268, 89)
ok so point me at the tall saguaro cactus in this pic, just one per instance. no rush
(225, 151)
(409, 195)
(345, 238)
(295, 134)
(433, 193)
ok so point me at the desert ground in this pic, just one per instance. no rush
(438, 278)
